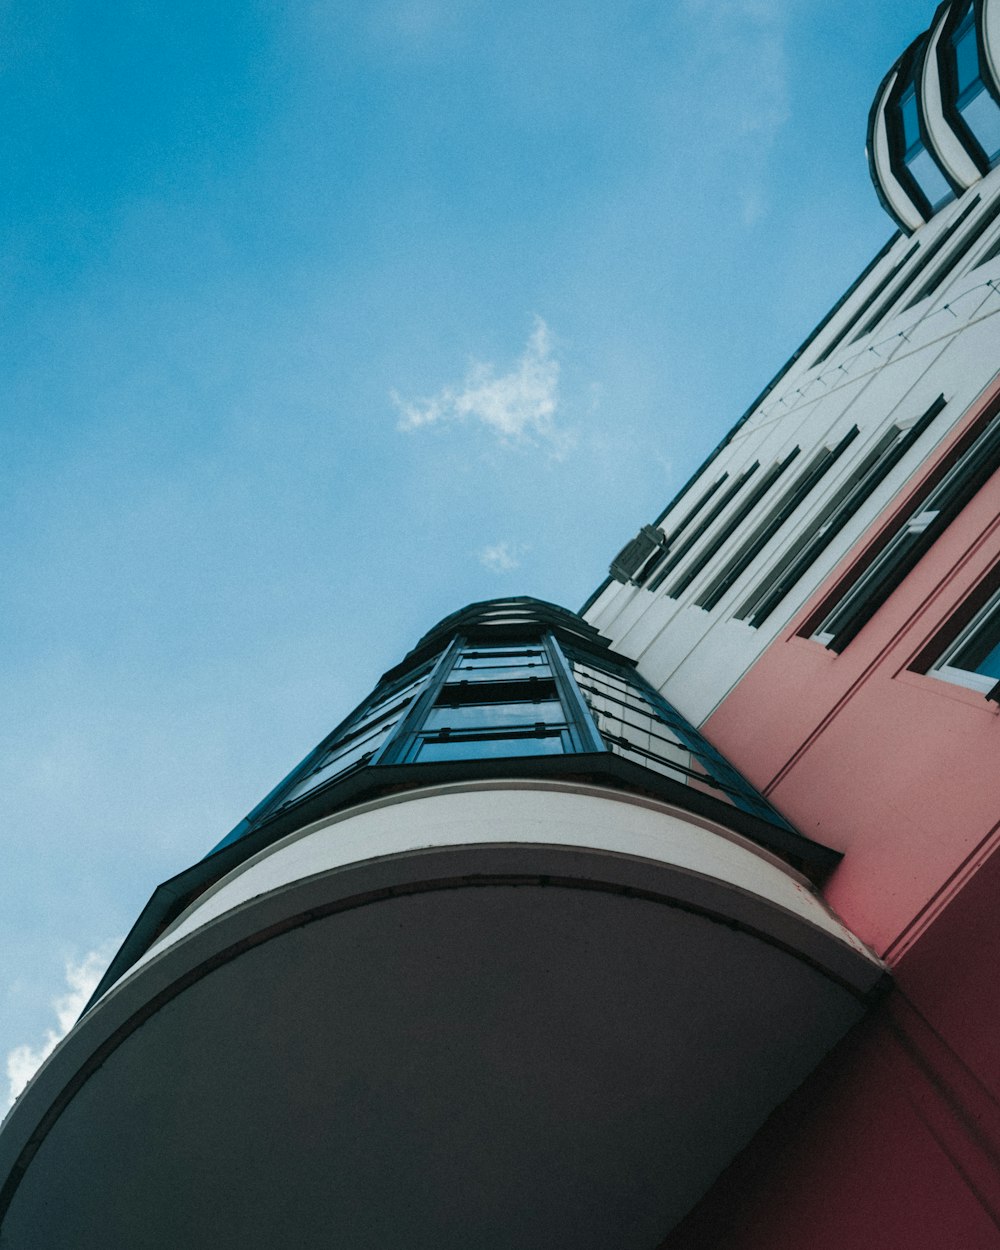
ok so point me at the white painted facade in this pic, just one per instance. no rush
(947, 343)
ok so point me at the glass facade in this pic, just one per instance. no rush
(970, 95)
(513, 680)
(919, 163)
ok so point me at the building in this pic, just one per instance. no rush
(823, 601)
(668, 923)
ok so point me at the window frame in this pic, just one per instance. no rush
(732, 523)
(786, 507)
(863, 479)
(969, 678)
(955, 481)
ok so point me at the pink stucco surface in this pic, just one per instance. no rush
(896, 768)
(894, 1142)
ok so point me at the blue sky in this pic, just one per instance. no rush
(323, 319)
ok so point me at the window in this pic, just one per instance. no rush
(490, 702)
(930, 252)
(732, 524)
(638, 725)
(991, 253)
(970, 465)
(852, 321)
(719, 507)
(360, 737)
(663, 550)
(921, 166)
(745, 556)
(973, 658)
(978, 110)
(831, 518)
(500, 664)
(955, 258)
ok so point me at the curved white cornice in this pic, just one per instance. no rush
(897, 200)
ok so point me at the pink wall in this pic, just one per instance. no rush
(897, 769)
(894, 1143)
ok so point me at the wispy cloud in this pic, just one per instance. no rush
(501, 557)
(81, 981)
(519, 406)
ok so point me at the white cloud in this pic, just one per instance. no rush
(81, 981)
(501, 557)
(518, 407)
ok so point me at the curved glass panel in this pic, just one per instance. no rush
(921, 165)
(472, 748)
(977, 107)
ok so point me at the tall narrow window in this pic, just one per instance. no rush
(820, 465)
(921, 166)
(671, 540)
(852, 321)
(720, 505)
(930, 252)
(835, 514)
(731, 525)
(978, 110)
(958, 254)
(974, 461)
(973, 658)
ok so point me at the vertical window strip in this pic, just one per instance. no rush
(720, 506)
(748, 553)
(833, 517)
(731, 525)
(991, 253)
(900, 551)
(956, 257)
(930, 253)
(657, 557)
(867, 304)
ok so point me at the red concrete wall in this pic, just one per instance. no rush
(894, 1143)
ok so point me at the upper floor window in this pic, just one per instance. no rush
(971, 463)
(731, 525)
(973, 658)
(837, 511)
(976, 105)
(921, 166)
(745, 556)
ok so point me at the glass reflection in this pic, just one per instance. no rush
(458, 748)
(495, 715)
(979, 110)
(921, 165)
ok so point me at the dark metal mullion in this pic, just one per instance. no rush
(582, 728)
(396, 744)
(882, 464)
(749, 552)
(960, 252)
(883, 576)
(867, 304)
(932, 250)
(731, 525)
(707, 522)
